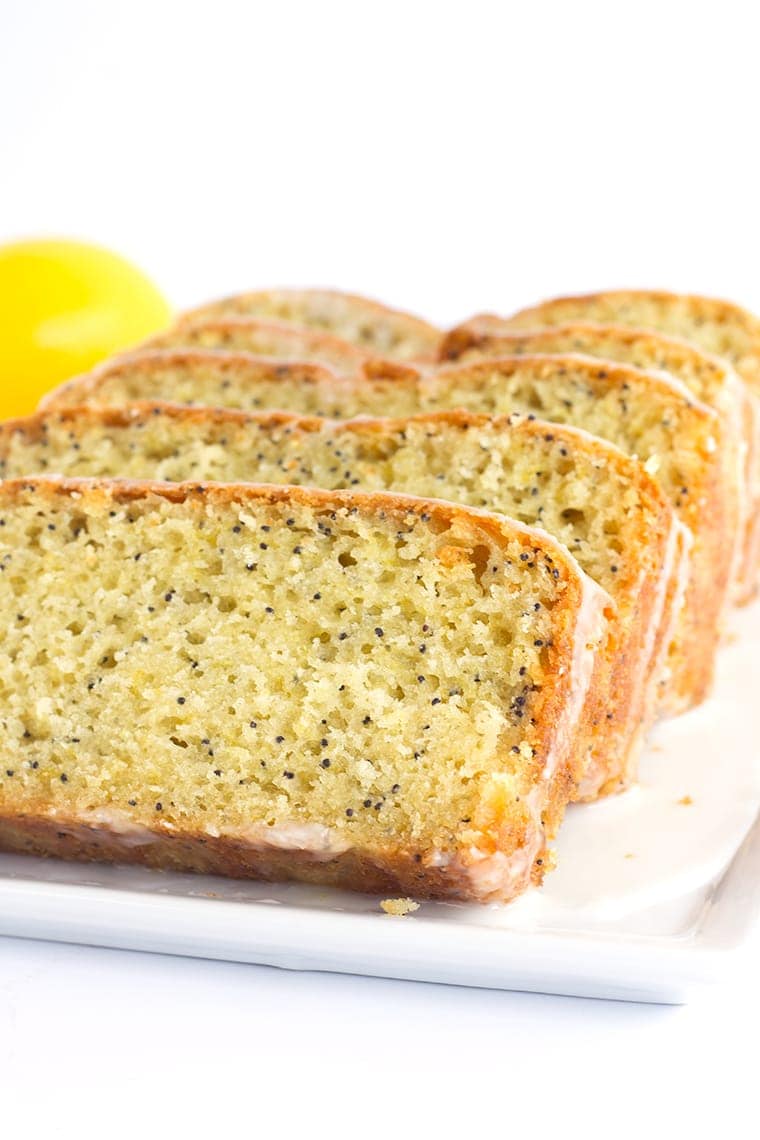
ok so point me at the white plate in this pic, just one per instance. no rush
(652, 891)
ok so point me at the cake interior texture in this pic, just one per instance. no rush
(596, 501)
(392, 689)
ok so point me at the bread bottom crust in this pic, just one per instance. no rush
(389, 872)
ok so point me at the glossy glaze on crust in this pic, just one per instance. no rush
(498, 854)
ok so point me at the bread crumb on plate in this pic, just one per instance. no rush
(399, 907)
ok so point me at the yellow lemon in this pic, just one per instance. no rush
(64, 305)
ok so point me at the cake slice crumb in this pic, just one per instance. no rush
(399, 908)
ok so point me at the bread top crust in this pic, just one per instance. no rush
(380, 328)
(717, 309)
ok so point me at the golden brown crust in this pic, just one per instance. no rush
(391, 871)
(379, 368)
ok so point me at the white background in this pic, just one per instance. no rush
(447, 158)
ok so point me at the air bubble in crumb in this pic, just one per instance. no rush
(399, 907)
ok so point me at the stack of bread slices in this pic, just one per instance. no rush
(308, 588)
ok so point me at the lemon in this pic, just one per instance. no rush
(65, 305)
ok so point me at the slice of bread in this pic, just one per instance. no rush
(269, 338)
(649, 417)
(719, 327)
(218, 378)
(225, 679)
(588, 494)
(204, 376)
(711, 380)
(374, 327)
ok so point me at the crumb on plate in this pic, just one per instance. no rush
(399, 907)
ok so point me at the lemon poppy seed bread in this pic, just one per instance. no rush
(224, 679)
(601, 504)
(717, 326)
(711, 380)
(270, 338)
(658, 422)
(649, 417)
(206, 377)
(372, 326)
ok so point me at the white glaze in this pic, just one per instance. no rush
(738, 407)
(319, 842)
(589, 630)
(752, 473)
(675, 573)
(125, 830)
(499, 875)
